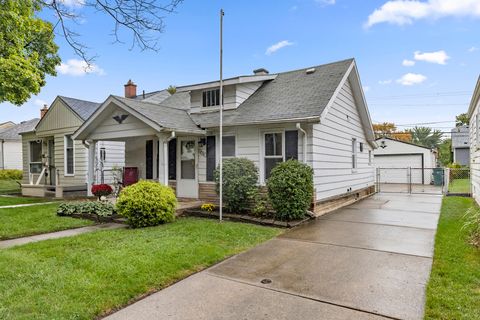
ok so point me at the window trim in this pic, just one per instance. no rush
(262, 165)
(65, 174)
(206, 91)
(354, 155)
(30, 155)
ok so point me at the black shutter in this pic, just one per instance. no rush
(210, 157)
(291, 145)
(149, 159)
(172, 159)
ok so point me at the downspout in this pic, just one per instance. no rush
(165, 157)
(304, 142)
(2, 164)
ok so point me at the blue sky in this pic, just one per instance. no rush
(437, 38)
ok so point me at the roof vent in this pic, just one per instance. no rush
(260, 72)
(310, 71)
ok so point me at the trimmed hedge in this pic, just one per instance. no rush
(147, 203)
(11, 174)
(87, 207)
(240, 177)
(290, 189)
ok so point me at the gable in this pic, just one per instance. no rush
(396, 147)
(59, 116)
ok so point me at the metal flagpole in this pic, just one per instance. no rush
(221, 115)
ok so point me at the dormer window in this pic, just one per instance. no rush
(211, 98)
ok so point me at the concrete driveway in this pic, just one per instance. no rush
(370, 260)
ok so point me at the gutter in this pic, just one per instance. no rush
(304, 142)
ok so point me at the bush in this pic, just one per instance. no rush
(11, 174)
(290, 189)
(239, 183)
(101, 190)
(100, 209)
(472, 223)
(147, 203)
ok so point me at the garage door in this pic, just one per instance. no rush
(394, 168)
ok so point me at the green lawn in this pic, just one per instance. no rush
(25, 221)
(9, 186)
(85, 276)
(454, 288)
(7, 201)
(459, 186)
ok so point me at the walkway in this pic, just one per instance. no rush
(370, 260)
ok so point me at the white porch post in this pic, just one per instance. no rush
(162, 160)
(91, 167)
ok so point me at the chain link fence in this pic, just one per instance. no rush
(458, 181)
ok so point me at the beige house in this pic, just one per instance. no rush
(56, 165)
(317, 115)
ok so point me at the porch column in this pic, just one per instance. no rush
(91, 167)
(162, 160)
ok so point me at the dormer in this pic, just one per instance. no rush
(205, 97)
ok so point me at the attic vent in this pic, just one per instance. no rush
(310, 71)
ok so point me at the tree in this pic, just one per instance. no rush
(461, 119)
(27, 51)
(445, 152)
(388, 129)
(424, 136)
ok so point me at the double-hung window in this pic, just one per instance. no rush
(35, 156)
(69, 156)
(228, 147)
(273, 151)
(354, 153)
(211, 98)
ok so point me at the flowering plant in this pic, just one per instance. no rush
(101, 190)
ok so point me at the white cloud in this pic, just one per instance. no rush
(73, 3)
(409, 79)
(277, 46)
(366, 88)
(75, 67)
(439, 57)
(39, 102)
(408, 63)
(402, 12)
(326, 2)
(472, 49)
(384, 82)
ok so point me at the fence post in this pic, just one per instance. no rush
(446, 180)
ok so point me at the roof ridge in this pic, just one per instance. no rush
(65, 97)
(150, 103)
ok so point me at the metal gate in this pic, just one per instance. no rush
(411, 180)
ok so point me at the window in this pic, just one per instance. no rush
(273, 151)
(35, 156)
(69, 159)
(103, 154)
(211, 98)
(228, 146)
(354, 153)
(369, 157)
(361, 146)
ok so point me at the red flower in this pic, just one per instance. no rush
(101, 190)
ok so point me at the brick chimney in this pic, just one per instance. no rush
(130, 89)
(43, 111)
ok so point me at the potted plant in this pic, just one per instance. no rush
(101, 190)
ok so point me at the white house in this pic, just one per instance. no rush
(398, 156)
(56, 165)
(317, 115)
(11, 144)
(474, 126)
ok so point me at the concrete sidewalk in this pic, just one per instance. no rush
(371, 260)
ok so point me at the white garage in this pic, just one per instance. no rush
(396, 159)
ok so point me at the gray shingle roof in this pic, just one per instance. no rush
(12, 133)
(293, 94)
(84, 109)
(165, 116)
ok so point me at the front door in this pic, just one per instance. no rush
(51, 161)
(187, 175)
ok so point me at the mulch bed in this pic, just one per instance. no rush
(113, 218)
(264, 221)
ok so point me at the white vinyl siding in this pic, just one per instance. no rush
(475, 152)
(12, 155)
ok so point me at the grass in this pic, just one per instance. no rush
(86, 276)
(25, 221)
(459, 186)
(7, 201)
(9, 186)
(453, 291)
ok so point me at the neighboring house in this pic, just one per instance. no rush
(317, 115)
(6, 125)
(11, 144)
(474, 126)
(461, 145)
(55, 164)
(397, 156)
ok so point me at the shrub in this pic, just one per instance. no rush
(147, 203)
(290, 189)
(11, 174)
(101, 190)
(472, 223)
(261, 205)
(100, 209)
(239, 183)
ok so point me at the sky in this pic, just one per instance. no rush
(418, 60)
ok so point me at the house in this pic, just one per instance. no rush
(11, 144)
(6, 125)
(474, 135)
(398, 156)
(56, 165)
(317, 115)
(461, 145)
